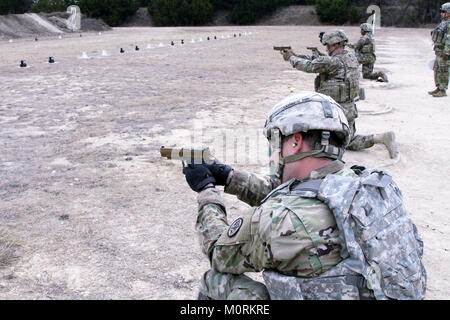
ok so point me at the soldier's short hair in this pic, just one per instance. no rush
(314, 137)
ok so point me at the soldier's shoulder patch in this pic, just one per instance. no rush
(235, 226)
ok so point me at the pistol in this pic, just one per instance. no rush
(314, 50)
(281, 48)
(190, 155)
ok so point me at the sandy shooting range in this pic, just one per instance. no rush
(89, 209)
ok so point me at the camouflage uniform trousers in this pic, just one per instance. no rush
(367, 71)
(357, 142)
(226, 286)
(368, 62)
(441, 71)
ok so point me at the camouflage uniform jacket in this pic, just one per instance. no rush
(365, 44)
(365, 49)
(446, 49)
(440, 37)
(447, 41)
(338, 74)
(290, 234)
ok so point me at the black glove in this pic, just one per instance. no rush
(220, 172)
(198, 176)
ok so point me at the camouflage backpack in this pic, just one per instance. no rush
(381, 248)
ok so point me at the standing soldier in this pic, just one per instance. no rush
(327, 232)
(441, 39)
(365, 53)
(339, 78)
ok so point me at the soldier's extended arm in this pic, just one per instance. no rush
(319, 65)
(357, 45)
(305, 56)
(250, 187)
(230, 248)
(211, 220)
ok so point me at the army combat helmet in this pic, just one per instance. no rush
(332, 37)
(446, 7)
(366, 27)
(302, 112)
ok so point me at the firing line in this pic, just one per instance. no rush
(84, 55)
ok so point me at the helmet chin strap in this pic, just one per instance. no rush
(322, 150)
(299, 156)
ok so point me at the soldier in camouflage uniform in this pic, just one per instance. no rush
(365, 53)
(441, 40)
(339, 78)
(290, 237)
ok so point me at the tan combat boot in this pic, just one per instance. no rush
(382, 77)
(388, 139)
(434, 91)
(440, 93)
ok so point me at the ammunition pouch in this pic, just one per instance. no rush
(438, 34)
(335, 89)
(368, 48)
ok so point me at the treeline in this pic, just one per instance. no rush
(336, 12)
(250, 11)
(15, 6)
(181, 12)
(241, 12)
(200, 12)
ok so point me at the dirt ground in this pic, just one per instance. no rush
(89, 209)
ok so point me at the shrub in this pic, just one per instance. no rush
(355, 15)
(332, 11)
(113, 12)
(180, 12)
(15, 6)
(51, 5)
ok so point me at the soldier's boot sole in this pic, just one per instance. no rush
(381, 77)
(440, 93)
(391, 144)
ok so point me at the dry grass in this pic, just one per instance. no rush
(8, 247)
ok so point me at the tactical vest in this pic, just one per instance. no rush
(369, 46)
(438, 35)
(381, 248)
(343, 86)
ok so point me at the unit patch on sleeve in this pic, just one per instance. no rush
(235, 226)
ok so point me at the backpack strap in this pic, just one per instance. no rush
(294, 187)
(310, 185)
